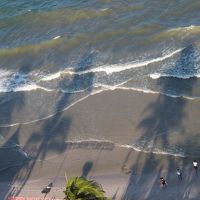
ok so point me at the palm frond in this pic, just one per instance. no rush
(83, 189)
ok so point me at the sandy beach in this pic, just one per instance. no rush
(108, 90)
(119, 118)
(134, 178)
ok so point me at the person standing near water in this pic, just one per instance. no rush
(195, 165)
(179, 174)
(163, 182)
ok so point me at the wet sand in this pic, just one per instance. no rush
(116, 118)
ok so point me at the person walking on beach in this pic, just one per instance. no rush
(195, 165)
(163, 182)
(179, 173)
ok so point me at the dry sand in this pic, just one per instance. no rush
(121, 117)
(124, 174)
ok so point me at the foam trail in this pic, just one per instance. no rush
(57, 37)
(51, 77)
(107, 144)
(118, 68)
(156, 92)
(146, 91)
(155, 151)
(17, 82)
(31, 87)
(160, 75)
(57, 75)
(28, 87)
(185, 28)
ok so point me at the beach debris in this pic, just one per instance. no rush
(47, 189)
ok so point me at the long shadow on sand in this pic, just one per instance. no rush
(51, 135)
(11, 154)
(164, 119)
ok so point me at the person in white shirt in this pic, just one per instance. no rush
(179, 174)
(195, 165)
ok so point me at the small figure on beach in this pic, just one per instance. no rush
(163, 182)
(47, 189)
(195, 165)
(179, 173)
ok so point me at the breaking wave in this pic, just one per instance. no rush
(111, 68)
(16, 81)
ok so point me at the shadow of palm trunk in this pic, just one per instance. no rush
(163, 124)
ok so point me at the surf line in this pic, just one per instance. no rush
(111, 68)
(118, 68)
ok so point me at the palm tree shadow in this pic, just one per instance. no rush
(87, 168)
(163, 119)
(12, 155)
(54, 131)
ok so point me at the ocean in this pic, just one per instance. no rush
(56, 53)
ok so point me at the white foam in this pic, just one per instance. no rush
(21, 88)
(16, 82)
(146, 91)
(159, 75)
(191, 27)
(31, 87)
(51, 77)
(118, 68)
(155, 76)
(5, 73)
(128, 146)
(104, 9)
(156, 92)
(57, 37)
(103, 89)
(154, 151)
(184, 28)
(57, 75)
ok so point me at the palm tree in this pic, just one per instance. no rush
(79, 188)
